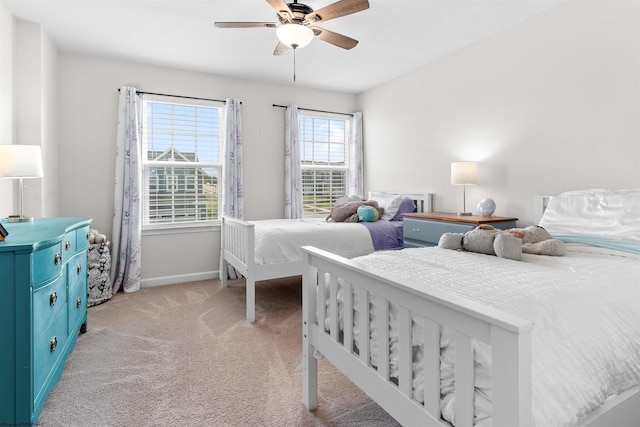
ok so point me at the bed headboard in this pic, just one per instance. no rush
(423, 201)
(540, 204)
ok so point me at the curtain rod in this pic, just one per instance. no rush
(317, 111)
(178, 96)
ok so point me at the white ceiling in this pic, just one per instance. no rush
(396, 36)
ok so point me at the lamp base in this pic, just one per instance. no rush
(18, 218)
(464, 213)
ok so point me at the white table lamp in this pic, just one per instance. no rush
(464, 173)
(20, 162)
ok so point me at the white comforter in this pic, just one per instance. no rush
(586, 310)
(280, 240)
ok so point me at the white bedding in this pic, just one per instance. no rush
(585, 307)
(280, 240)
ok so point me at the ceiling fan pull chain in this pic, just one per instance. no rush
(294, 64)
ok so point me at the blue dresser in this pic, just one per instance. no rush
(425, 229)
(43, 307)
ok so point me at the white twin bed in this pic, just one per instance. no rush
(438, 336)
(270, 249)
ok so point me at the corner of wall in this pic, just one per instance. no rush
(6, 102)
(35, 110)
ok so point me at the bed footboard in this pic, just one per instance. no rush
(237, 246)
(509, 337)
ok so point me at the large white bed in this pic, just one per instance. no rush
(270, 249)
(475, 339)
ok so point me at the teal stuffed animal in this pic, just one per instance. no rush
(368, 214)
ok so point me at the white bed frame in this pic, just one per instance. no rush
(508, 335)
(238, 249)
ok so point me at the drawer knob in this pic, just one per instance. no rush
(58, 259)
(79, 268)
(53, 298)
(53, 344)
(67, 245)
(78, 302)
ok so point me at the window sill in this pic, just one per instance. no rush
(157, 230)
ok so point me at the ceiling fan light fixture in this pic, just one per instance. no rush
(294, 35)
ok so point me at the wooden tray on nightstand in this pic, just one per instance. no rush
(464, 219)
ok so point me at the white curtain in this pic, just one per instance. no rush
(127, 212)
(232, 192)
(293, 208)
(356, 175)
(232, 195)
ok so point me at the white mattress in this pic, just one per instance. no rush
(586, 311)
(280, 240)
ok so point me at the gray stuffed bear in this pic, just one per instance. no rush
(484, 239)
(536, 240)
(509, 244)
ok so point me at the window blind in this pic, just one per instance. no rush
(182, 151)
(324, 162)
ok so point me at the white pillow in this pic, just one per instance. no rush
(607, 214)
(389, 201)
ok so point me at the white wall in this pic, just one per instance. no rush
(6, 103)
(49, 127)
(549, 106)
(6, 75)
(88, 98)
(28, 113)
(35, 99)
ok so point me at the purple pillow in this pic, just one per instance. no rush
(406, 206)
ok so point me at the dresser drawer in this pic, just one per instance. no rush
(77, 274)
(68, 245)
(47, 262)
(429, 232)
(48, 349)
(82, 238)
(47, 302)
(74, 241)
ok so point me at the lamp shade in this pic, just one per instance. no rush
(464, 173)
(294, 35)
(20, 161)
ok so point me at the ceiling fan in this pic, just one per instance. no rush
(298, 23)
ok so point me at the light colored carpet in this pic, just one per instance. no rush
(183, 355)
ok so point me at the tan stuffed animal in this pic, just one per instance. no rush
(536, 240)
(95, 237)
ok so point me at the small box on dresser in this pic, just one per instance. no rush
(425, 229)
(43, 307)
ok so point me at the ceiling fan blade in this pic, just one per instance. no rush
(245, 24)
(281, 49)
(282, 8)
(336, 10)
(334, 38)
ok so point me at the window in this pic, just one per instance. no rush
(182, 160)
(324, 162)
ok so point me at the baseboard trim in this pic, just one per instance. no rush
(180, 278)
